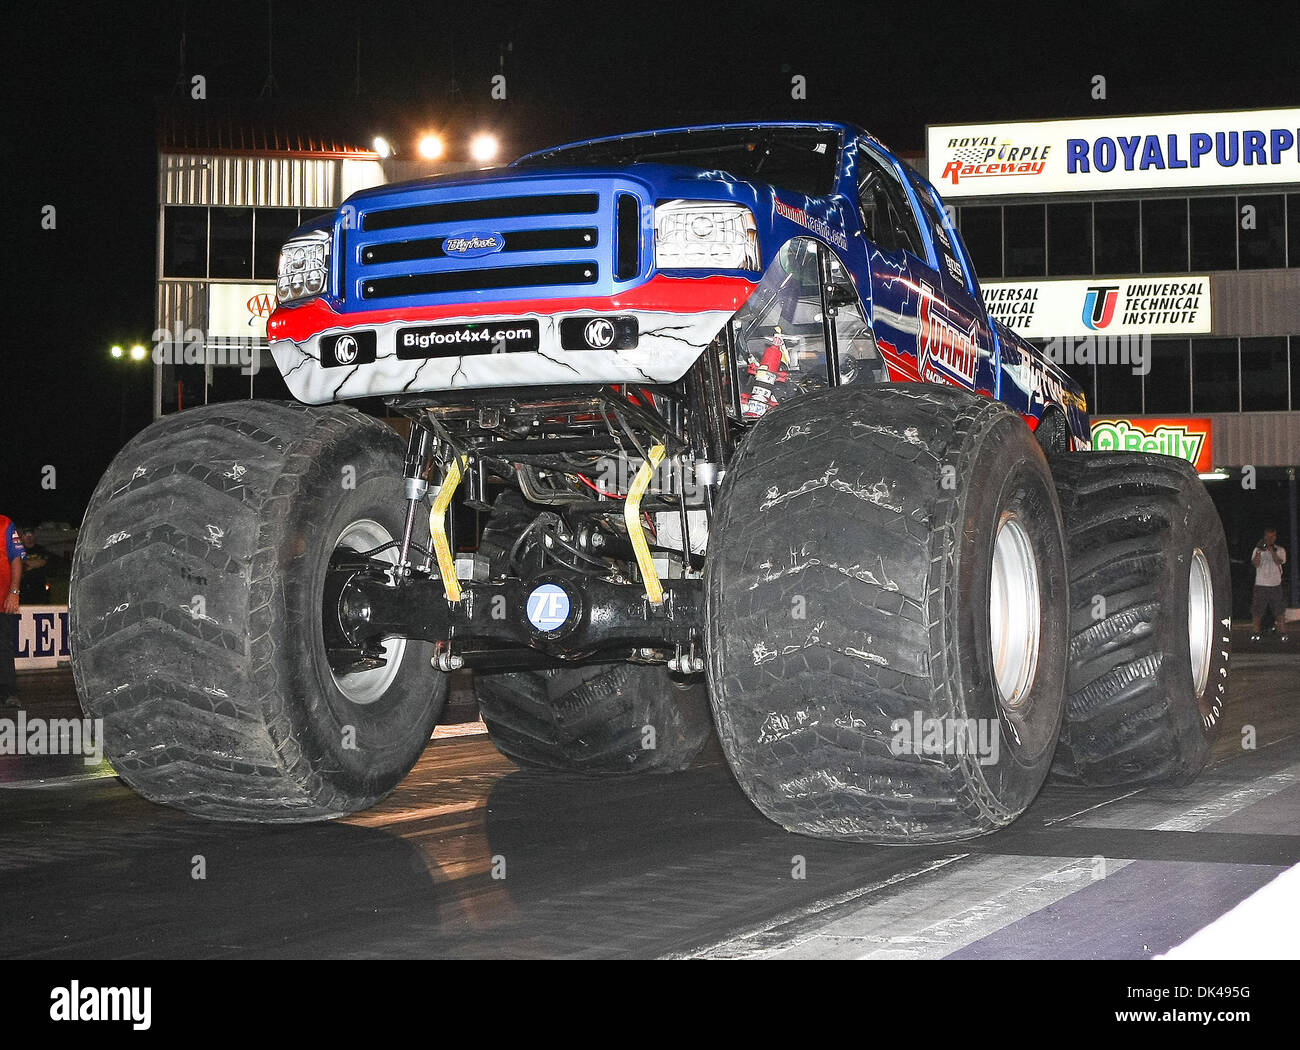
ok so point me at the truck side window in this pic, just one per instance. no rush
(780, 339)
(948, 261)
(859, 358)
(873, 205)
(883, 204)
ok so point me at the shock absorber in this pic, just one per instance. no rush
(415, 471)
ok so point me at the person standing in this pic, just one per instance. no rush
(11, 575)
(1268, 559)
(35, 587)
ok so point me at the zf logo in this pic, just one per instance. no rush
(548, 607)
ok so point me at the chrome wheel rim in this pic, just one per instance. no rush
(1200, 619)
(365, 687)
(1015, 612)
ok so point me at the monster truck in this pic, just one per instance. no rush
(706, 427)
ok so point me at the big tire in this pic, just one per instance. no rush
(589, 719)
(887, 613)
(196, 615)
(1151, 597)
(598, 719)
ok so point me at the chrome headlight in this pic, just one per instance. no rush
(303, 272)
(709, 235)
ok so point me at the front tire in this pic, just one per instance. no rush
(887, 615)
(196, 615)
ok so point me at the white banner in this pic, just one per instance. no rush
(239, 311)
(1098, 154)
(42, 637)
(1097, 306)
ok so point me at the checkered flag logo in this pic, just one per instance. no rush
(972, 155)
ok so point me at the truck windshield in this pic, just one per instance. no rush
(799, 159)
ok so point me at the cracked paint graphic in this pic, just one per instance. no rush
(664, 353)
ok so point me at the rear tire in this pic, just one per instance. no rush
(593, 718)
(196, 612)
(870, 556)
(598, 719)
(1151, 611)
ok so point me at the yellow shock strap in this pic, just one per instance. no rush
(438, 527)
(636, 533)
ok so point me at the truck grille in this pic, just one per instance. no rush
(536, 238)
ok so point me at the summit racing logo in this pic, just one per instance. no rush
(1099, 306)
(945, 353)
(811, 222)
(986, 156)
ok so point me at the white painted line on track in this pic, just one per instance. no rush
(734, 947)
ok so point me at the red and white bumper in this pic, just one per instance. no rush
(676, 318)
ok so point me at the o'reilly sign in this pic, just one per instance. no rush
(1102, 306)
(1182, 437)
(1097, 154)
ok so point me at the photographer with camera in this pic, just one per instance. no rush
(1268, 559)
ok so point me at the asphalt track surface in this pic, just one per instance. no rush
(474, 857)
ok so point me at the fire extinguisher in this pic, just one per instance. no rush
(767, 373)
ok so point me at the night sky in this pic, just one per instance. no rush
(85, 82)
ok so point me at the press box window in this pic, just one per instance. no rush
(1069, 239)
(1216, 378)
(1213, 227)
(1293, 229)
(231, 248)
(272, 228)
(1026, 252)
(1116, 236)
(1169, 382)
(1119, 389)
(1164, 236)
(981, 231)
(185, 242)
(1262, 222)
(1264, 374)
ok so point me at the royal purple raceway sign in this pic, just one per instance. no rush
(1173, 151)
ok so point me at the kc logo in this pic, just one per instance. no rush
(599, 333)
(345, 350)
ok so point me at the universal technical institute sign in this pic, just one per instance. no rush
(1102, 306)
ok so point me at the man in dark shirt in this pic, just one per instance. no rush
(36, 566)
